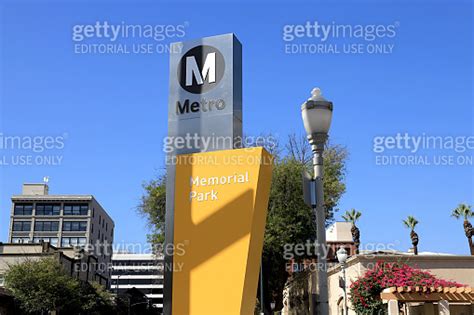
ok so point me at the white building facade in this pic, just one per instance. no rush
(140, 271)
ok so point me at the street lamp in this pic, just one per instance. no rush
(342, 257)
(317, 115)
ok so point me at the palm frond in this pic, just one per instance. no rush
(352, 215)
(410, 222)
(463, 211)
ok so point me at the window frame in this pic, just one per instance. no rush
(43, 224)
(74, 226)
(22, 206)
(38, 239)
(76, 209)
(22, 226)
(22, 238)
(77, 243)
(53, 212)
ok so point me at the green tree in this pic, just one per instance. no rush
(42, 286)
(353, 216)
(464, 211)
(153, 208)
(411, 223)
(290, 221)
(95, 299)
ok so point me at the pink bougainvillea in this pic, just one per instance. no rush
(365, 291)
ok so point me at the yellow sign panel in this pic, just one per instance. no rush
(221, 201)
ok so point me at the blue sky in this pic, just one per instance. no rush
(112, 108)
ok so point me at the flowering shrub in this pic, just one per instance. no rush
(365, 292)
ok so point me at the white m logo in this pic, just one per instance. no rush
(208, 70)
(201, 69)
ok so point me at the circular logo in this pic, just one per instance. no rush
(201, 69)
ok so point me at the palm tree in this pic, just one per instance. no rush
(352, 216)
(411, 223)
(464, 211)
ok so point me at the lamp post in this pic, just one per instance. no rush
(342, 257)
(317, 115)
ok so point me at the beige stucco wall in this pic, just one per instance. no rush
(21, 249)
(7, 261)
(339, 232)
(353, 271)
(455, 268)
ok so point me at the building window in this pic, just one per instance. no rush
(76, 209)
(47, 209)
(52, 240)
(21, 240)
(71, 241)
(134, 281)
(74, 225)
(46, 226)
(24, 226)
(23, 209)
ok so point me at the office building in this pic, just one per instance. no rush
(139, 271)
(63, 221)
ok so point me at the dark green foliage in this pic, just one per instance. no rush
(290, 221)
(153, 208)
(43, 285)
